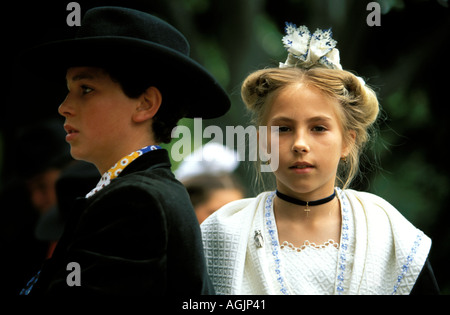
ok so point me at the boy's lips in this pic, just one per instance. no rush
(71, 132)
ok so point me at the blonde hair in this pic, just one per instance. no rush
(358, 108)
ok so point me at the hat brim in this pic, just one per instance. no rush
(193, 86)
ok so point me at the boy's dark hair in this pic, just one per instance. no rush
(134, 83)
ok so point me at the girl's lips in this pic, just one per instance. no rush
(301, 168)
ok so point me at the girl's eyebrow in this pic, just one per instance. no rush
(281, 119)
(320, 118)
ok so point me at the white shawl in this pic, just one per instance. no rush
(380, 251)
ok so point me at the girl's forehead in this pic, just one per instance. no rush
(302, 100)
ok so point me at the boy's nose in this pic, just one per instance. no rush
(65, 109)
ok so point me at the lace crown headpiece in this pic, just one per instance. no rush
(307, 50)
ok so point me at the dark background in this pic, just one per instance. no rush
(406, 60)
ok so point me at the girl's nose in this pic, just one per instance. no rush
(300, 144)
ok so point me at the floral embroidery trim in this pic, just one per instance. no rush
(408, 262)
(345, 239)
(115, 171)
(273, 236)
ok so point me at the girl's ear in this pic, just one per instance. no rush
(148, 106)
(349, 143)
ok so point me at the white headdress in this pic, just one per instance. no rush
(211, 158)
(307, 50)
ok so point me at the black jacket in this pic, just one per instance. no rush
(137, 236)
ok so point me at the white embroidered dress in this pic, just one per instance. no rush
(379, 252)
(319, 278)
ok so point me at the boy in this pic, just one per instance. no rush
(130, 80)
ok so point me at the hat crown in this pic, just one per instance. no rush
(132, 24)
(141, 44)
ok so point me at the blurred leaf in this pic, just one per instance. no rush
(415, 188)
(388, 5)
(411, 109)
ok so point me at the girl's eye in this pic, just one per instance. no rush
(319, 129)
(85, 89)
(283, 129)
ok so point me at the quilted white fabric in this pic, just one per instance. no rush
(380, 251)
(320, 276)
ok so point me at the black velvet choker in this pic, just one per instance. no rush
(305, 203)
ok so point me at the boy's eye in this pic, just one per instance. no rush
(85, 89)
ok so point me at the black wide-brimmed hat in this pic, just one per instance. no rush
(139, 41)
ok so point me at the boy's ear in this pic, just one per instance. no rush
(149, 103)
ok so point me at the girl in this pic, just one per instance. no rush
(313, 235)
(136, 232)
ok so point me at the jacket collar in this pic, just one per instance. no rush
(148, 161)
(140, 160)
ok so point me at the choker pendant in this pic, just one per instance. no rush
(305, 203)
